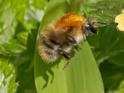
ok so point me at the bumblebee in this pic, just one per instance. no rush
(58, 38)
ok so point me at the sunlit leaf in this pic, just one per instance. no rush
(77, 77)
(39, 4)
(8, 27)
(7, 77)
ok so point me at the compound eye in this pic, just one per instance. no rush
(90, 29)
(87, 27)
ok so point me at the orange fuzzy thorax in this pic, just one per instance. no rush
(73, 20)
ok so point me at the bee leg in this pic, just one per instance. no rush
(71, 40)
(67, 63)
(67, 56)
(77, 48)
(84, 37)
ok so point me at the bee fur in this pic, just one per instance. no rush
(60, 37)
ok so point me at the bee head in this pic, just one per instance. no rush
(90, 27)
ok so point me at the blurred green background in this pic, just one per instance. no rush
(19, 24)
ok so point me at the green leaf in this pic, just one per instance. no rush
(109, 52)
(81, 71)
(81, 76)
(39, 4)
(7, 29)
(7, 77)
(24, 76)
(120, 88)
(109, 43)
(19, 8)
(55, 9)
(104, 11)
(118, 59)
(111, 72)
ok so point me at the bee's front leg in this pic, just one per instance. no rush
(67, 56)
(77, 47)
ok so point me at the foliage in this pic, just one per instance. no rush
(108, 45)
(22, 70)
(7, 77)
